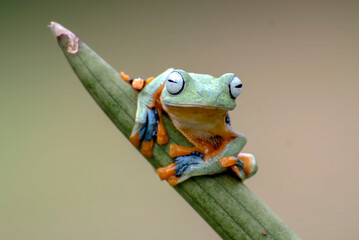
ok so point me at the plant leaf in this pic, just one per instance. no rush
(231, 209)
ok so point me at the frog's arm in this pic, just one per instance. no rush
(148, 121)
(184, 167)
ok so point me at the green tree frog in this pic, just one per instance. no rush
(198, 106)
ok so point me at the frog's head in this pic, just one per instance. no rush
(184, 89)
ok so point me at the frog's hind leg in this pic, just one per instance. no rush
(184, 167)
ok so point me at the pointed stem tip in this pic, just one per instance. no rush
(59, 31)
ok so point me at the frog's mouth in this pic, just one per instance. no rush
(198, 106)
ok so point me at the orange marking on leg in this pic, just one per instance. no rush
(162, 137)
(138, 83)
(228, 161)
(176, 150)
(146, 148)
(148, 80)
(166, 172)
(135, 140)
(248, 162)
(157, 98)
(125, 77)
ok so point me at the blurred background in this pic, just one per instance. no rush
(66, 172)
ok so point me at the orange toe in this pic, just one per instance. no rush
(138, 83)
(135, 140)
(162, 139)
(146, 148)
(166, 172)
(235, 169)
(162, 173)
(176, 150)
(173, 180)
(148, 80)
(125, 77)
(228, 161)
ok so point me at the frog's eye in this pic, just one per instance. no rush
(174, 83)
(235, 87)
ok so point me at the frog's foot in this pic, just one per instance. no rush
(137, 83)
(244, 165)
(177, 171)
(146, 129)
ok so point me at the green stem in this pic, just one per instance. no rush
(231, 209)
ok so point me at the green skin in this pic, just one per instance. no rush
(199, 91)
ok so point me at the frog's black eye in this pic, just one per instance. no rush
(174, 83)
(235, 87)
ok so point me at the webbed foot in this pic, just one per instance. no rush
(148, 128)
(176, 172)
(137, 83)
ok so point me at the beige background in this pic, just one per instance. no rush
(67, 173)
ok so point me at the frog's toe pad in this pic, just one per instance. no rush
(146, 148)
(173, 180)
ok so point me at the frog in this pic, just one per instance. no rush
(198, 106)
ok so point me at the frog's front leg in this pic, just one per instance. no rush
(148, 126)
